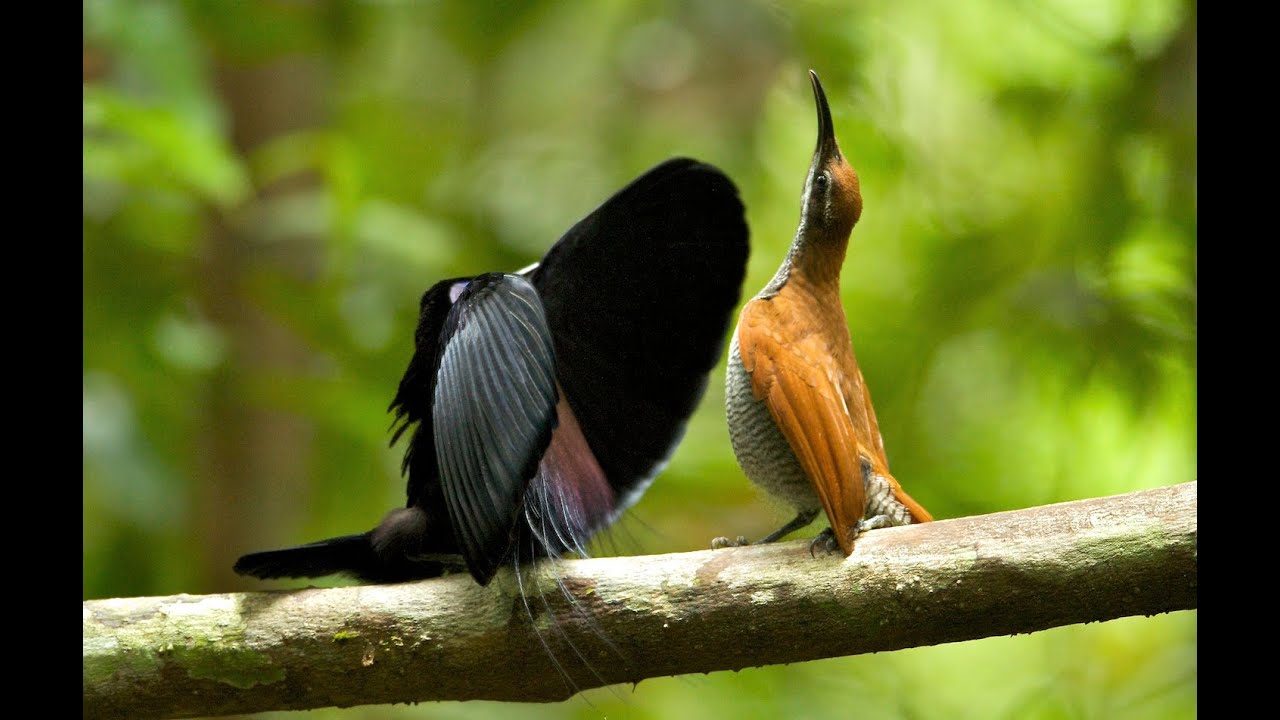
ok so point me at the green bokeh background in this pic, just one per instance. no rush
(270, 186)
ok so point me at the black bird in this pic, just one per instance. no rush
(544, 402)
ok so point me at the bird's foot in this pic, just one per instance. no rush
(724, 542)
(872, 523)
(826, 540)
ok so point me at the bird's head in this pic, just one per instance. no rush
(832, 198)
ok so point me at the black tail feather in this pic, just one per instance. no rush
(347, 554)
(352, 555)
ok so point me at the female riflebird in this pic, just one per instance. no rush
(799, 412)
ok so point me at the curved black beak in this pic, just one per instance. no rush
(826, 148)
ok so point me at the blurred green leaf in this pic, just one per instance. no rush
(134, 143)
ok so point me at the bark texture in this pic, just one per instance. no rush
(611, 620)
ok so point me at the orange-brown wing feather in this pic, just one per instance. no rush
(797, 381)
(860, 395)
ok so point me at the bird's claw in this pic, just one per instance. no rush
(827, 540)
(722, 542)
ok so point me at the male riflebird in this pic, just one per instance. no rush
(544, 402)
(799, 412)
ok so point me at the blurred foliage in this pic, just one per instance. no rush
(268, 188)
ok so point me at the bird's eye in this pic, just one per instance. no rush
(820, 182)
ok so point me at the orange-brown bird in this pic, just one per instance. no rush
(799, 412)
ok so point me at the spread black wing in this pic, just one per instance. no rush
(493, 412)
(639, 295)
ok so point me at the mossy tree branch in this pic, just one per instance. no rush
(449, 639)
